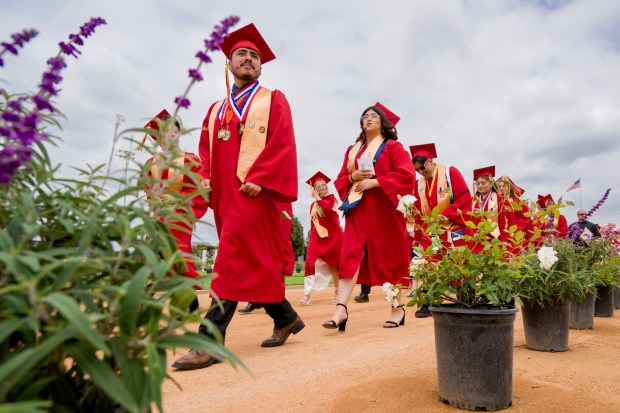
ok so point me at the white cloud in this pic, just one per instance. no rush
(527, 85)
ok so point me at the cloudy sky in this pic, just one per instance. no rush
(529, 86)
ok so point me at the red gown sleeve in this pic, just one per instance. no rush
(401, 178)
(204, 150)
(342, 181)
(327, 203)
(461, 199)
(562, 226)
(275, 169)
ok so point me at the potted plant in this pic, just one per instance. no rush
(605, 265)
(471, 295)
(548, 279)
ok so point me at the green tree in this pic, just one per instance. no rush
(299, 242)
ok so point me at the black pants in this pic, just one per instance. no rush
(282, 314)
(366, 288)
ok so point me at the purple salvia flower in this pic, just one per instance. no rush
(211, 44)
(599, 203)
(9, 47)
(182, 101)
(69, 49)
(18, 41)
(42, 103)
(204, 58)
(75, 38)
(195, 74)
(56, 63)
(22, 130)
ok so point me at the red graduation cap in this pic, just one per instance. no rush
(319, 176)
(486, 171)
(392, 117)
(427, 150)
(164, 114)
(518, 191)
(249, 37)
(542, 200)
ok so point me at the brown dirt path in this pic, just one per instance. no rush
(372, 369)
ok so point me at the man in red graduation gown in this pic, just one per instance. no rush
(442, 187)
(247, 147)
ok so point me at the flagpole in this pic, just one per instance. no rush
(580, 203)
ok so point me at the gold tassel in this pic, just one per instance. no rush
(227, 80)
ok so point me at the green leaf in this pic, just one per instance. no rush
(103, 375)
(20, 364)
(157, 371)
(130, 303)
(9, 326)
(70, 310)
(31, 406)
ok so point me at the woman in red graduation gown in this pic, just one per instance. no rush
(518, 212)
(376, 247)
(488, 204)
(325, 239)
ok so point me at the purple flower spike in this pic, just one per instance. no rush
(195, 74)
(599, 203)
(17, 125)
(181, 101)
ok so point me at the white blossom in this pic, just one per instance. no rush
(405, 203)
(392, 293)
(547, 257)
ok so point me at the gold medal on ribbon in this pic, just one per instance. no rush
(223, 134)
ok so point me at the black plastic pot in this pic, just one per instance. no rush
(604, 305)
(617, 298)
(474, 356)
(546, 327)
(582, 313)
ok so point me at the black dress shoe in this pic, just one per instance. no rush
(250, 307)
(423, 312)
(362, 298)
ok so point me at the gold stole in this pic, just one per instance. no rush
(443, 191)
(314, 216)
(370, 150)
(493, 218)
(174, 180)
(254, 135)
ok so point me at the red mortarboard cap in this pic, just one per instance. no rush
(392, 117)
(542, 200)
(247, 36)
(153, 125)
(487, 170)
(518, 191)
(319, 176)
(427, 150)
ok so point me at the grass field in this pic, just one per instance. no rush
(295, 279)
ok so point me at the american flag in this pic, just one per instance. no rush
(576, 185)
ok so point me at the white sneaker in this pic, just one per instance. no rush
(305, 300)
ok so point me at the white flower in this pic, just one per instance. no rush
(392, 293)
(547, 257)
(416, 263)
(405, 203)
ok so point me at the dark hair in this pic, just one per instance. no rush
(420, 159)
(176, 121)
(387, 129)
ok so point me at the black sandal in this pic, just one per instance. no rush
(342, 325)
(394, 324)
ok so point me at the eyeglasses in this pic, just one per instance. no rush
(373, 116)
(581, 215)
(421, 168)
